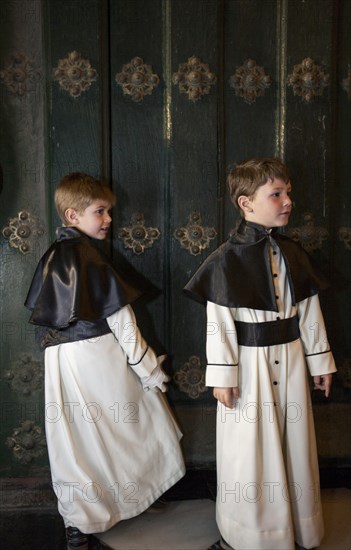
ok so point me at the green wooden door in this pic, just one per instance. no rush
(161, 97)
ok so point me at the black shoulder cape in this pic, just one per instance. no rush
(238, 273)
(75, 281)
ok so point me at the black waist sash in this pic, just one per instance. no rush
(80, 330)
(270, 333)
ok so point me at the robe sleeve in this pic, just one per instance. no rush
(141, 358)
(221, 347)
(319, 357)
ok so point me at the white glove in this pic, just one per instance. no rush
(157, 379)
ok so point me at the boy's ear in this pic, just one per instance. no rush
(245, 204)
(71, 216)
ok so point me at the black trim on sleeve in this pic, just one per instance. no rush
(224, 364)
(320, 353)
(140, 360)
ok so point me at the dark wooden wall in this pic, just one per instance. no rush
(166, 155)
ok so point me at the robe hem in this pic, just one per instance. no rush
(277, 539)
(101, 527)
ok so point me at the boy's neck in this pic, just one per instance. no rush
(257, 224)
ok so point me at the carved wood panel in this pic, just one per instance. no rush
(161, 97)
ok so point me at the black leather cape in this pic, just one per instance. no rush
(238, 273)
(76, 282)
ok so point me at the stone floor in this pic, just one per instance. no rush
(187, 522)
(190, 525)
(183, 525)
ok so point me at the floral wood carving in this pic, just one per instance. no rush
(20, 77)
(308, 80)
(194, 78)
(250, 81)
(191, 378)
(27, 442)
(21, 231)
(137, 236)
(74, 74)
(310, 237)
(137, 79)
(345, 236)
(25, 375)
(346, 84)
(194, 237)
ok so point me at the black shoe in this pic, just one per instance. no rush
(76, 540)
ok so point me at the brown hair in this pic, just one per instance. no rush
(78, 190)
(246, 177)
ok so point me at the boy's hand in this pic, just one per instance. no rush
(157, 379)
(226, 396)
(323, 383)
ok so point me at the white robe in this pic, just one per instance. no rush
(113, 448)
(267, 464)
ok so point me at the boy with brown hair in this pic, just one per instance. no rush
(265, 327)
(113, 445)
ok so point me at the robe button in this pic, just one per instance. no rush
(275, 275)
(278, 318)
(275, 382)
(276, 362)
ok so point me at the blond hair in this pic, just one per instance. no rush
(245, 178)
(78, 191)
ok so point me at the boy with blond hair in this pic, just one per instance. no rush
(113, 445)
(265, 327)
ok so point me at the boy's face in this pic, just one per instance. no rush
(95, 221)
(270, 206)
